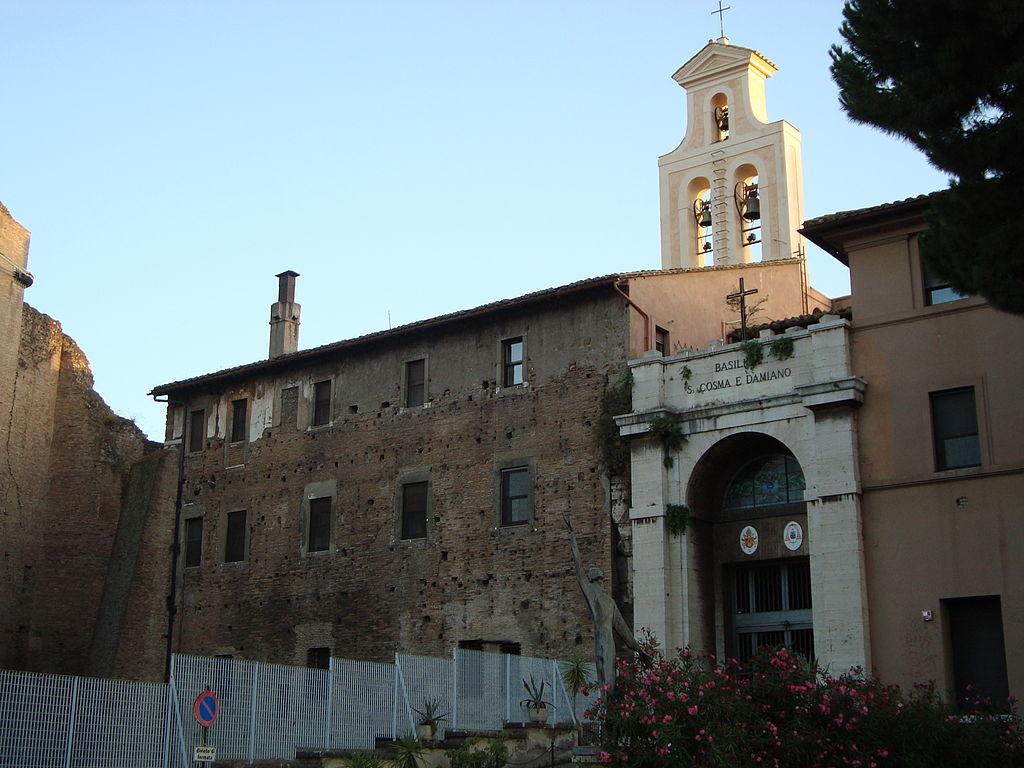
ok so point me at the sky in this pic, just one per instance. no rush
(407, 159)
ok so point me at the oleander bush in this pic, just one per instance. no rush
(779, 712)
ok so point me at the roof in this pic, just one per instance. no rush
(822, 230)
(728, 45)
(316, 353)
(800, 321)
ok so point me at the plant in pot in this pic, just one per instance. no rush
(535, 704)
(430, 719)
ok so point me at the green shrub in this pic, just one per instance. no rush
(780, 711)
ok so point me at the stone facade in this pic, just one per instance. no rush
(731, 410)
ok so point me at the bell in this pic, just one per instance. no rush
(705, 216)
(752, 207)
(722, 118)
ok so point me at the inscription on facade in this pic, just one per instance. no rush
(732, 381)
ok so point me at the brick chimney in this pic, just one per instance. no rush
(284, 317)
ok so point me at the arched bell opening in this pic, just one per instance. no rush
(720, 116)
(749, 519)
(702, 218)
(750, 212)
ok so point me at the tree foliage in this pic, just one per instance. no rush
(948, 76)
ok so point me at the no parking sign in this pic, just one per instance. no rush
(206, 709)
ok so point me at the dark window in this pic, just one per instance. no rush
(414, 511)
(239, 411)
(661, 340)
(772, 606)
(512, 357)
(319, 524)
(955, 429)
(318, 658)
(979, 651)
(937, 290)
(197, 431)
(515, 496)
(193, 541)
(415, 383)
(769, 481)
(321, 403)
(234, 541)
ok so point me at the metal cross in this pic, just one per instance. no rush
(721, 16)
(742, 296)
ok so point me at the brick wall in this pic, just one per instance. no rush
(373, 593)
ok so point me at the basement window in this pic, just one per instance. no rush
(318, 658)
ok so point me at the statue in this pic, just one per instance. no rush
(605, 614)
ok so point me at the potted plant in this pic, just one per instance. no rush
(535, 704)
(430, 719)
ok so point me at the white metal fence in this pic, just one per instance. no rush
(267, 710)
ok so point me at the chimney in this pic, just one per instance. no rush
(284, 317)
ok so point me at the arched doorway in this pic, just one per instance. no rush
(746, 496)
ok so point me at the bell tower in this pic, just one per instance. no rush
(732, 191)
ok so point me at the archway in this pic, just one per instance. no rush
(746, 500)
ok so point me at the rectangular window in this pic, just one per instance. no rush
(415, 383)
(771, 605)
(955, 429)
(414, 510)
(321, 403)
(937, 290)
(979, 650)
(319, 524)
(234, 541)
(193, 542)
(196, 430)
(512, 358)
(239, 420)
(318, 658)
(515, 496)
(661, 340)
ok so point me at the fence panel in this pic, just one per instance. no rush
(118, 723)
(363, 700)
(291, 706)
(422, 678)
(35, 712)
(233, 682)
(480, 691)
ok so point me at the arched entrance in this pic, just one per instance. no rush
(746, 496)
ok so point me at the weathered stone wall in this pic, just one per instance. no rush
(470, 578)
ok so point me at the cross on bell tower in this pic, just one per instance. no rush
(721, 18)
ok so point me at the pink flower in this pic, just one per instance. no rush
(605, 758)
(692, 711)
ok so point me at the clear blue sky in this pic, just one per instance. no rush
(410, 158)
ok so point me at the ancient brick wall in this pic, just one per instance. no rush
(372, 593)
(69, 457)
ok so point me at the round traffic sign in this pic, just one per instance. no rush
(206, 709)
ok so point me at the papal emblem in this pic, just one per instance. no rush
(748, 540)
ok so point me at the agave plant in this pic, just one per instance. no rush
(407, 752)
(430, 714)
(365, 760)
(535, 695)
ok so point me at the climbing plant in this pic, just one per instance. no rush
(617, 400)
(781, 348)
(676, 518)
(753, 354)
(667, 429)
